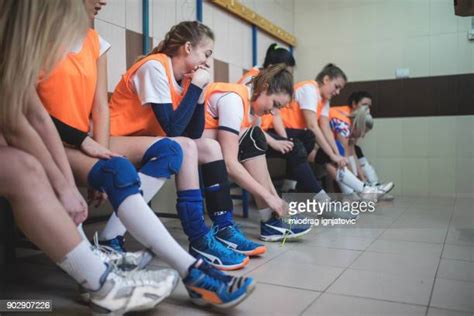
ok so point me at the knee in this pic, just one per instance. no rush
(298, 154)
(188, 146)
(209, 149)
(24, 172)
(117, 177)
(162, 159)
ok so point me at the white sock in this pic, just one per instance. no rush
(80, 229)
(288, 185)
(84, 266)
(348, 178)
(345, 189)
(113, 228)
(145, 227)
(353, 165)
(369, 171)
(150, 187)
(266, 214)
(322, 196)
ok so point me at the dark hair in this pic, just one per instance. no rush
(274, 79)
(277, 55)
(357, 96)
(332, 71)
(179, 34)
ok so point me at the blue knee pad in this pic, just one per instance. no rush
(341, 149)
(162, 159)
(117, 177)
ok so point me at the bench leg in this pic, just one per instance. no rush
(245, 203)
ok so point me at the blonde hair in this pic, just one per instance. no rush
(362, 120)
(35, 35)
(273, 79)
(180, 34)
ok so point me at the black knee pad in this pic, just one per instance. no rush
(321, 157)
(359, 152)
(216, 187)
(252, 144)
(298, 154)
(308, 140)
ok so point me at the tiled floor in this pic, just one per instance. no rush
(413, 256)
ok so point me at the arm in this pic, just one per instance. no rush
(312, 125)
(174, 122)
(278, 125)
(100, 108)
(195, 127)
(230, 149)
(50, 146)
(284, 145)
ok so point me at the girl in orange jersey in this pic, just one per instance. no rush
(36, 178)
(230, 111)
(350, 123)
(160, 96)
(275, 55)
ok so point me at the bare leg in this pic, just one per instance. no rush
(37, 211)
(258, 168)
(209, 150)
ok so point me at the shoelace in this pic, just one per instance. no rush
(213, 272)
(131, 278)
(285, 236)
(212, 243)
(108, 252)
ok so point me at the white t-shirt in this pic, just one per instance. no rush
(151, 83)
(228, 108)
(104, 46)
(308, 98)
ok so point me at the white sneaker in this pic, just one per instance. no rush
(138, 290)
(353, 197)
(386, 187)
(124, 260)
(371, 193)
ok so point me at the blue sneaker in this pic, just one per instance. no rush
(208, 286)
(234, 239)
(221, 257)
(277, 229)
(117, 244)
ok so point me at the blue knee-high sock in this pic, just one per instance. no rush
(191, 213)
(222, 218)
(306, 179)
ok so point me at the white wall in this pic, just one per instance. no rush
(369, 39)
(429, 156)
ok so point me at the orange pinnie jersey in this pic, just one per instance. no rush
(68, 92)
(220, 87)
(127, 115)
(292, 116)
(253, 72)
(341, 112)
